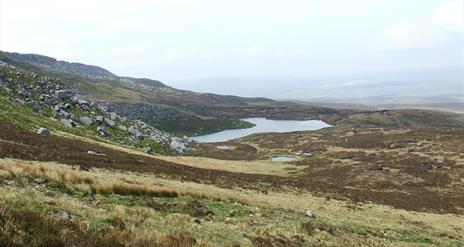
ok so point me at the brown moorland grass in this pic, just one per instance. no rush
(337, 223)
(64, 176)
(319, 176)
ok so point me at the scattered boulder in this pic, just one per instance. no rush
(113, 116)
(309, 213)
(138, 136)
(102, 131)
(64, 113)
(68, 123)
(61, 94)
(99, 119)
(228, 221)
(39, 181)
(86, 120)
(43, 131)
(110, 123)
(177, 146)
(148, 150)
(62, 215)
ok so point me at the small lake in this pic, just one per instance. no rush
(262, 125)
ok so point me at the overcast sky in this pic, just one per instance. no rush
(182, 39)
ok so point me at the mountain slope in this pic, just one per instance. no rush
(197, 109)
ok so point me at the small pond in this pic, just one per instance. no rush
(282, 159)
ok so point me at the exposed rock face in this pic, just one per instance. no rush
(152, 113)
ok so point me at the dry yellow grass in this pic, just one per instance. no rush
(339, 212)
(252, 167)
(96, 184)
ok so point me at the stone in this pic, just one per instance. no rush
(39, 181)
(228, 221)
(148, 150)
(64, 113)
(10, 182)
(99, 119)
(86, 121)
(82, 102)
(138, 136)
(95, 153)
(177, 146)
(309, 213)
(61, 94)
(101, 129)
(62, 215)
(43, 131)
(109, 122)
(19, 101)
(122, 127)
(67, 123)
(79, 96)
(113, 116)
(132, 130)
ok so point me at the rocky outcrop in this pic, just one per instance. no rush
(52, 98)
(60, 66)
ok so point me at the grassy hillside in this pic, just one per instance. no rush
(68, 200)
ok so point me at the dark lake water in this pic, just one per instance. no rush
(262, 125)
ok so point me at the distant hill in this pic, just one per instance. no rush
(60, 66)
